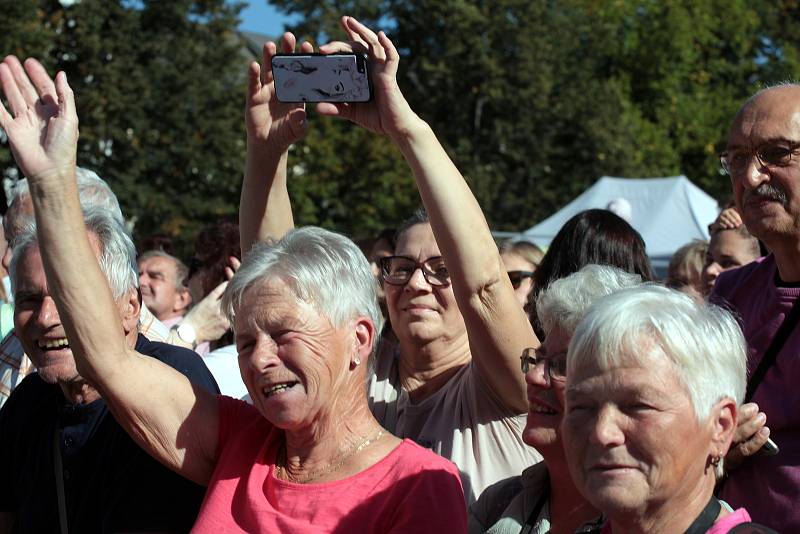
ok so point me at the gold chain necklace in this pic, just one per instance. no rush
(282, 472)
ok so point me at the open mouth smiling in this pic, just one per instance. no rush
(277, 389)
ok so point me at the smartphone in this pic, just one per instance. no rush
(321, 78)
(770, 448)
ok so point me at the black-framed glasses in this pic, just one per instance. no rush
(398, 270)
(555, 367)
(517, 277)
(769, 154)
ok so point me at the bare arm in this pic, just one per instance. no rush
(174, 421)
(498, 328)
(264, 208)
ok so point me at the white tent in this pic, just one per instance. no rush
(667, 212)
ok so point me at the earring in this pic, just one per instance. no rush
(357, 361)
(715, 460)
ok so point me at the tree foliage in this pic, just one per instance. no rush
(533, 99)
(536, 100)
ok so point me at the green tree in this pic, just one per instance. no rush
(160, 91)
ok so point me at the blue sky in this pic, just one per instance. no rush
(260, 16)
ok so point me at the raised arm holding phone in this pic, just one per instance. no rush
(307, 456)
(460, 329)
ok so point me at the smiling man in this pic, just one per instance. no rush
(763, 161)
(105, 482)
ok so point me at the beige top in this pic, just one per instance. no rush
(464, 422)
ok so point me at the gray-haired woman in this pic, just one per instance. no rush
(544, 499)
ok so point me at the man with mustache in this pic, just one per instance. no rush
(762, 158)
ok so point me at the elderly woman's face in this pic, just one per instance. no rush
(546, 395)
(291, 358)
(630, 434)
(419, 310)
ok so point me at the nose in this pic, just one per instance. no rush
(606, 431)
(754, 175)
(263, 356)
(537, 376)
(712, 271)
(47, 316)
(418, 281)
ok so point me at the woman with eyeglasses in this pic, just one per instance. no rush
(451, 382)
(521, 259)
(543, 498)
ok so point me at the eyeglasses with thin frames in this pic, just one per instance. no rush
(770, 155)
(555, 367)
(398, 270)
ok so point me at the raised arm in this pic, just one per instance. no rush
(264, 208)
(498, 328)
(174, 421)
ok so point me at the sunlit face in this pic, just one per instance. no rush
(773, 116)
(293, 361)
(37, 322)
(546, 401)
(159, 285)
(630, 434)
(727, 250)
(419, 311)
(515, 262)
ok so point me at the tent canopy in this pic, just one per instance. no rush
(667, 212)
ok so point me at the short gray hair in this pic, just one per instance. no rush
(703, 342)
(322, 268)
(93, 192)
(117, 252)
(566, 300)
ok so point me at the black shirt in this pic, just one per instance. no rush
(110, 484)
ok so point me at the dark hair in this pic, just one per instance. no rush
(420, 216)
(592, 236)
(212, 248)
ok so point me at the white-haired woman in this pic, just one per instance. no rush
(452, 382)
(544, 499)
(308, 456)
(654, 381)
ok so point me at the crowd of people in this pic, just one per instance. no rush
(286, 380)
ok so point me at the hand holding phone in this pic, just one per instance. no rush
(340, 77)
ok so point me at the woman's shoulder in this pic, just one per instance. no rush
(417, 458)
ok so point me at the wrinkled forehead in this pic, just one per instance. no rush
(772, 115)
(417, 242)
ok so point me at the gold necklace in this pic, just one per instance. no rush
(282, 472)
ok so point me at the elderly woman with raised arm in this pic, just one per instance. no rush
(453, 383)
(308, 456)
(653, 384)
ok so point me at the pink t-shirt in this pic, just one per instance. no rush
(722, 526)
(410, 490)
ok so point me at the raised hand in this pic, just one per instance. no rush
(42, 126)
(751, 434)
(388, 113)
(268, 119)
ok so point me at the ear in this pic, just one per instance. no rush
(724, 416)
(364, 337)
(129, 307)
(182, 300)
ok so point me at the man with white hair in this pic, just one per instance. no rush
(762, 158)
(203, 323)
(59, 423)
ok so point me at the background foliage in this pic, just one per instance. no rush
(533, 99)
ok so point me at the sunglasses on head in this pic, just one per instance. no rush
(517, 277)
